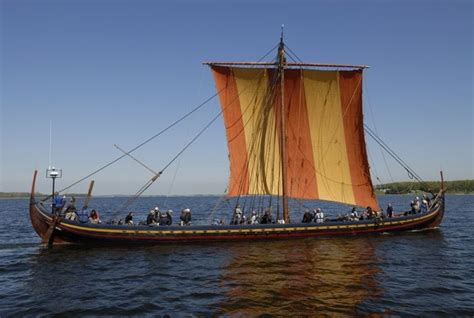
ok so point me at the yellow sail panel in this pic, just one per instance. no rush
(260, 131)
(327, 134)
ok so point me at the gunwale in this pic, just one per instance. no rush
(66, 231)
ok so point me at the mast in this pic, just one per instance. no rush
(283, 153)
(255, 169)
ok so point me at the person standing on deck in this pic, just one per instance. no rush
(237, 216)
(58, 203)
(169, 218)
(390, 210)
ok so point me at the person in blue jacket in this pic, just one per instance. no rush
(83, 216)
(58, 203)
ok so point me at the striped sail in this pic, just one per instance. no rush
(325, 146)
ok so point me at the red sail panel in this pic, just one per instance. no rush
(230, 105)
(350, 85)
(301, 180)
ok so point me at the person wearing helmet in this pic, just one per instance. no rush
(165, 218)
(185, 217)
(156, 212)
(150, 219)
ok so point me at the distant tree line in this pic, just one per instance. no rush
(14, 194)
(458, 186)
(37, 194)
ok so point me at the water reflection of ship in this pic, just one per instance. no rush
(332, 276)
(337, 277)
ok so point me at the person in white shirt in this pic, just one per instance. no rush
(319, 216)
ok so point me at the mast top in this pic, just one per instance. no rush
(281, 58)
(281, 48)
(281, 34)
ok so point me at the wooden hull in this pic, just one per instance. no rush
(55, 230)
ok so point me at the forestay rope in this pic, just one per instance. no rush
(411, 173)
(155, 177)
(144, 142)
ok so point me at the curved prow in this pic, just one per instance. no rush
(33, 185)
(39, 224)
(440, 196)
(438, 206)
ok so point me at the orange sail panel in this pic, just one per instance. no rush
(326, 155)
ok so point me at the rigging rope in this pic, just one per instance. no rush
(222, 198)
(410, 171)
(172, 183)
(192, 141)
(144, 142)
(134, 197)
(150, 182)
(375, 128)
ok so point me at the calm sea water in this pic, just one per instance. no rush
(428, 273)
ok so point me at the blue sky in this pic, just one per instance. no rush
(111, 72)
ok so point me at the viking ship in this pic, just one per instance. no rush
(294, 130)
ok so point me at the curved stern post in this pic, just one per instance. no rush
(442, 191)
(442, 181)
(38, 223)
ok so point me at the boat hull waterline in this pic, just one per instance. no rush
(56, 230)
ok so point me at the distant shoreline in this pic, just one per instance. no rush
(456, 187)
(25, 195)
(452, 187)
(418, 192)
(12, 196)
